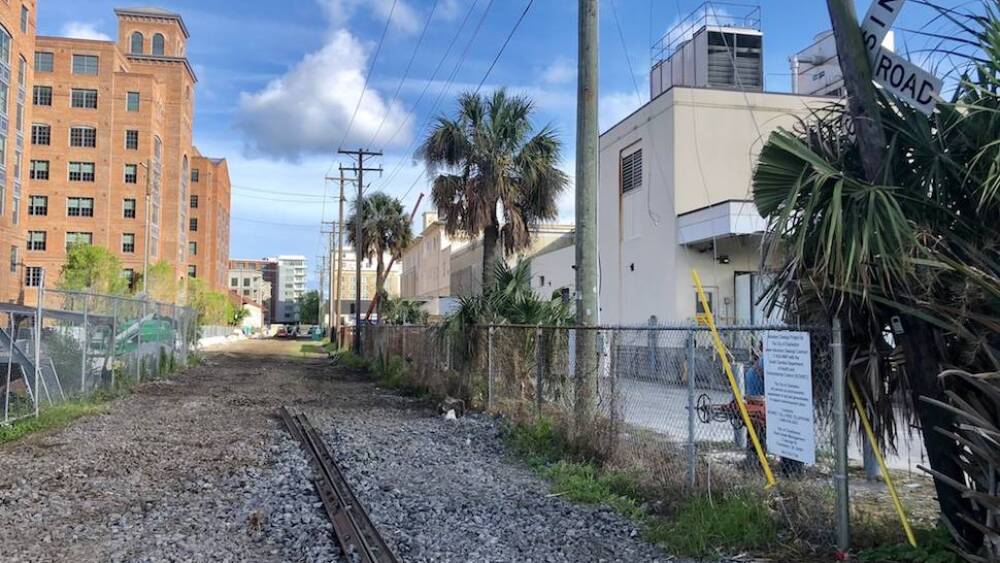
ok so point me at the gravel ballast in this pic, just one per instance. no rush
(446, 491)
(199, 469)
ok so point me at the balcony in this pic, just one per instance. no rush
(722, 220)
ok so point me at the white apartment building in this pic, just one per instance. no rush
(291, 288)
(675, 179)
(816, 69)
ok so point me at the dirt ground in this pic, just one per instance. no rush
(168, 454)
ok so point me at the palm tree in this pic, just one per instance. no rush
(494, 164)
(385, 229)
(913, 253)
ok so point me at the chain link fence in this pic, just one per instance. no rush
(660, 401)
(71, 345)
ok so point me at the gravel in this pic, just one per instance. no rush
(446, 491)
(197, 470)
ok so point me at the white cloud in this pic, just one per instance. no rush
(559, 71)
(307, 110)
(683, 28)
(83, 30)
(449, 10)
(404, 17)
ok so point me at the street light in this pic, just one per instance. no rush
(145, 240)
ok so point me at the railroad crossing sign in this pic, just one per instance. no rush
(903, 79)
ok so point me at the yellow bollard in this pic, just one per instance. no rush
(720, 348)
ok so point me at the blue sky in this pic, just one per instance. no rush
(279, 82)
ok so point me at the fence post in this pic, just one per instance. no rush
(539, 367)
(691, 386)
(38, 340)
(840, 437)
(84, 360)
(10, 367)
(114, 339)
(489, 376)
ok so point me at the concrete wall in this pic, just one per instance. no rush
(699, 147)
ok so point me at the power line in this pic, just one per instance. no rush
(506, 41)
(275, 192)
(437, 69)
(293, 225)
(437, 101)
(406, 73)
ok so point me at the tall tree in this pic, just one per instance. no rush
(309, 307)
(490, 158)
(93, 268)
(912, 252)
(385, 230)
(162, 284)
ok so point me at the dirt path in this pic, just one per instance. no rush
(197, 469)
(170, 473)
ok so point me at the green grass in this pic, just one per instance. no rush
(350, 360)
(696, 528)
(53, 417)
(703, 527)
(933, 546)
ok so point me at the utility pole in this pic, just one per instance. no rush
(863, 109)
(360, 170)
(321, 267)
(586, 212)
(857, 71)
(335, 301)
(148, 165)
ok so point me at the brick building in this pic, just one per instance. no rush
(17, 51)
(108, 145)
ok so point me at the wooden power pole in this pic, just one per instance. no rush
(586, 212)
(359, 170)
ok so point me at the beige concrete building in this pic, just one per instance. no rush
(467, 262)
(368, 285)
(426, 266)
(107, 144)
(675, 195)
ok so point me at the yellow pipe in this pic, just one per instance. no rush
(881, 463)
(720, 348)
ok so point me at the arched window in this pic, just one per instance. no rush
(137, 43)
(158, 44)
(157, 147)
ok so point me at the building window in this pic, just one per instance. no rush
(86, 64)
(38, 205)
(3, 97)
(194, 224)
(632, 171)
(128, 243)
(4, 46)
(3, 159)
(195, 175)
(129, 208)
(42, 96)
(192, 271)
(33, 276)
(82, 98)
(24, 19)
(44, 62)
(132, 101)
(83, 137)
(36, 240)
(17, 164)
(246, 282)
(81, 171)
(22, 71)
(15, 213)
(13, 259)
(129, 275)
(131, 174)
(194, 202)
(39, 170)
(132, 140)
(158, 44)
(193, 248)
(41, 135)
(233, 282)
(73, 239)
(80, 206)
(136, 43)
(19, 118)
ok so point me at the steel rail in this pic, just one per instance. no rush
(358, 537)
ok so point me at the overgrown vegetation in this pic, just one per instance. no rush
(50, 418)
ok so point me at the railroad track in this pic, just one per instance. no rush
(358, 537)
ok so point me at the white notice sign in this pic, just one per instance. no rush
(788, 396)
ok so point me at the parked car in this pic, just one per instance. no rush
(282, 333)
